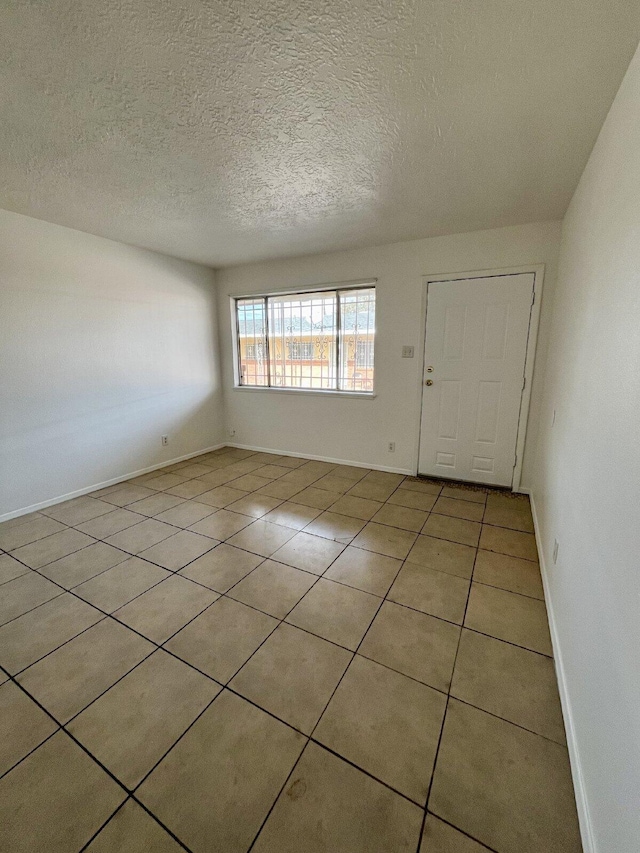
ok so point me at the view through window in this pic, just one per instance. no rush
(318, 341)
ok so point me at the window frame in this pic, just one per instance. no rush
(366, 284)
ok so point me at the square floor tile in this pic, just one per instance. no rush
(141, 536)
(333, 483)
(317, 498)
(115, 587)
(356, 507)
(336, 612)
(515, 543)
(131, 726)
(16, 535)
(165, 481)
(23, 594)
(331, 525)
(156, 504)
(385, 540)
(412, 499)
(280, 489)
(459, 509)
(176, 551)
(515, 796)
(413, 643)
(510, 573)
(222, 567)
(194, 469)
(222, 639)
(217, 478)
(334, 807)
(300, 478)
(292, 515)
(262, 538)
(351, 472)
(41, 798)
(77, 510)
(128, 494)
(167, 607)
(430, 591)
(272, 472)
(186, 513)
(454, 529)
(510, 682)
(10, 568)
(401, 516)
(422, 485)
(189, 490)
(133, 830)
(449, 557)
(509, 510)
(293, 675)
(387, 724)
(255, 506)
(465, 493)
(250, 482)
(38, 554)
(38, 632)
(68, 679)
(216, 786)
(439, 837)
(84, 564)
(372, 490)
(23, 725)
(222, 524)
(374, 487)
(110, 523)
(221, 496)
(311, 553)
(273, 588)
(364, 570)
(508, 616)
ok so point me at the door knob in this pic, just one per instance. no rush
(428, 381)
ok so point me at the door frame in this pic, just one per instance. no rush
(537, 270)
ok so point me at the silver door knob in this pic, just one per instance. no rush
(428, 381)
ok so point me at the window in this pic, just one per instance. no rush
(364, 354)
(254, 352)
(300, 350)
(317, 341)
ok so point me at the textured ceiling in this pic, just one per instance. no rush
(243, 129)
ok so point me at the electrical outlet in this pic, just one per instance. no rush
(555, 551)
(391, 447)
(407, 352)
(232, 432)
(165, 440)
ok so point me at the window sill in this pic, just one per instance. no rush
(348, 395)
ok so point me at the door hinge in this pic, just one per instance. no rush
(524, 382)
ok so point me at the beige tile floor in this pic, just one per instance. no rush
(255, 652)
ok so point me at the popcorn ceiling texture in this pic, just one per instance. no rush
(230, 131)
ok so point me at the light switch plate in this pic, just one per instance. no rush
(407, 352)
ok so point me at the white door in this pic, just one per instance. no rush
(475, 350)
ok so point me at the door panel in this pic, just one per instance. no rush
(475, 345)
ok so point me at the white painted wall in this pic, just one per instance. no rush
(358, 430)
(587, 480)
(103, 348)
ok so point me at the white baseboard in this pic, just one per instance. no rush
(315, 458)
(582, 805)
(94, 488)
